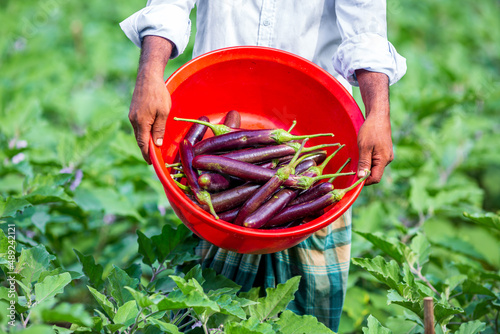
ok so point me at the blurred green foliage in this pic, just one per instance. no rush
(72, 177)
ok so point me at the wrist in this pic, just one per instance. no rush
(155, 53)
(374, 88)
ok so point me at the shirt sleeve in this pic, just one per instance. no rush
(363, 29)
(165, 18)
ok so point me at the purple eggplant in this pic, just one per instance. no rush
(305, 209)
(187, 155)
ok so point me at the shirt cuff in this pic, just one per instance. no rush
(370, 52)
(167, 21)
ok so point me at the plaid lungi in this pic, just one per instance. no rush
(322, 261)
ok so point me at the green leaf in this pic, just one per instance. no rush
(11, 206)
(386, 272)
(443, 312)
(134, 270)
(5, 242)
(48, 188)
(191, 295)
(62, 330)
(291, 323)
(374, 327)
(230, 306)
(47, 194)
(275, 300)
(489, 219)
(253, 294)
(473, 287)
(173, 242)
(142, 300)
(126, 313)
(395, 249)
(101, 299)
(215, 282)
(92, 270)
(114, 327)
(51, 286)
(146, 248)
(40, 220)
(104, 319)
(32, 262)
(38, 329)
(460, 246)
(250, 326)
(452, 282)
(107, 199)
(471, 327)
(414, 305)
(64, 312)
(422, 248)
(164, 326)
(197, 273)
(419, 197)
(116, 282)
(74, 274)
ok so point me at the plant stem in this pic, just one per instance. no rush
(418, 272)
(157, 271)
(190, 322)
(136, 322)
(178, 321)
(205, 329)
(27, 320)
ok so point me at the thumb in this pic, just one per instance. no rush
(158, 129)
(365, 162)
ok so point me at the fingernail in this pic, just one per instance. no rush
(361, 173)
(159, 141)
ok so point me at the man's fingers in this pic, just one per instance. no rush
(159, 128)
(377, 172)
(142, 136)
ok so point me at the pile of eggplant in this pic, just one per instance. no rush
(264, 178)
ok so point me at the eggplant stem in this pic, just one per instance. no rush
(326, 176)
(217, 129)
(177, 176)
(183, 187)
(204, 198)
(292, 162)
(339, 193)
(280, 136)
(340, 169)
(358, 181)
(284, 173)
(327, 160)
(177, 164)
(296, 146)
(304, 157)
(293, 125)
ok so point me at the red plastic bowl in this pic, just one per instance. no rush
(271, 89)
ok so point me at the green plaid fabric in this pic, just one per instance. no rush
(322, 261)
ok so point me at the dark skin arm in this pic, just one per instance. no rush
(374, 138)
(151, 100)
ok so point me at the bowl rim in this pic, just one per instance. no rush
(283, 57)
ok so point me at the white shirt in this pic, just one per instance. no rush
(341, 36)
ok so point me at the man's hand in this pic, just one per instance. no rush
(151, 100)
(374, 137)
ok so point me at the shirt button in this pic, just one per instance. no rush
(266, 22)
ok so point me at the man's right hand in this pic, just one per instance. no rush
(151, 102)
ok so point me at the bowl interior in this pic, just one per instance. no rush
(270, 89)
